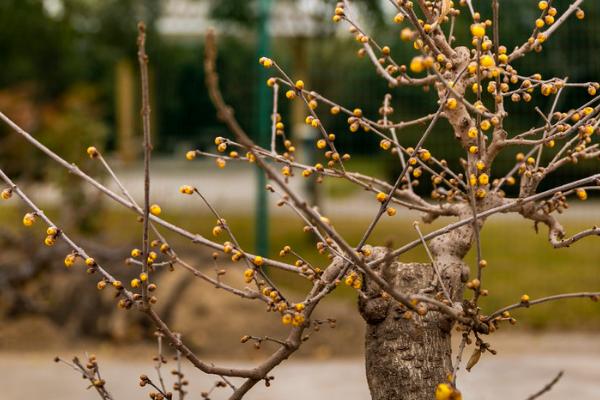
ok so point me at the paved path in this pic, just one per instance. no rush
(233, 189)
(524, 364)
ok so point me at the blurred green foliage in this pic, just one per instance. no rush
(81, 44)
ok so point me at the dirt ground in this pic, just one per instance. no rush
(524, 364)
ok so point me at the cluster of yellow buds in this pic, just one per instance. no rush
(353, 280)
(152, 256)
(221, 144)
(285, 251)
(70, 260)
(265, 62)
(249, 275)
(339, 12)
(136, 282)
(526, 164)
(279, 125)
(474, 284)
(296, 319)
(272, 294)
(482, 180)
(52, 233)
(419, 64)
(186, 189)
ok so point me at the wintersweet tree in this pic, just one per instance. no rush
(411, 310)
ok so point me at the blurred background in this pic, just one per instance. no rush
(69, 75)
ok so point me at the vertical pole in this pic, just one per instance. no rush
(125, 92)
(263, 124)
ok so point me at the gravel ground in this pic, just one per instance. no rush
(524, 364)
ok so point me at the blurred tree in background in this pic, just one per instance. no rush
(58, 80)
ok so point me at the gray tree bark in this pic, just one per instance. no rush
(407, 354)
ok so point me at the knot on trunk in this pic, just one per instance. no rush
(408, 354)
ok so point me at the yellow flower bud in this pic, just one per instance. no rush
(416, 64)
(155, 209)
(266, 62)
(444, 391)
(6, 194)
(451, 103)
(286, 319)
(29, 219)
(487, 61)
(70, 260)
(484, 179)
(186, 189)
(258, 261)
(92, 152)
(478, 30)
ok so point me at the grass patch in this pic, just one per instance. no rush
(520, 261)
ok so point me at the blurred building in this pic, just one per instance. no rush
(191, 18)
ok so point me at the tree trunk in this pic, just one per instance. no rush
(408, 354)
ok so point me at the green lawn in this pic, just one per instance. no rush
(520, 261)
